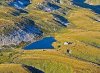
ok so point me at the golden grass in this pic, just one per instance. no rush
(41, 15)
(12, 68)
(35, 3)
(93, 2)
(84, 35)
(82, 46)
(82, 18)
(77, 65)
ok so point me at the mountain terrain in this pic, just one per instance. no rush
(69, 28)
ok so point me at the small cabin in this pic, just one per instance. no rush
(67, 43)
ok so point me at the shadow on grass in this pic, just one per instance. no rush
(33, 69)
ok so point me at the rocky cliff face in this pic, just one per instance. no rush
(15, 28)
(25, 31)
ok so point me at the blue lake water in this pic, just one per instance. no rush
(95, 8)
(45, 43)
(19, 4)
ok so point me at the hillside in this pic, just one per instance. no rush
(93, 2)
(30, 23)
(69, 28)
(17, 68)
(12, 68)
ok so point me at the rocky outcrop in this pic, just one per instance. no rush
(25, 30)
(48, 7)
(54, 1)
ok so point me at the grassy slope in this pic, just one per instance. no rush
(12, 68)
(93, 2)
(44, 20)
(84, 19)
(39, 16)
(54, 61)
(6, 19)
(82, 44)
(51, 61)
(83, 33)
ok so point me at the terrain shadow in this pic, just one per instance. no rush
(33, 69)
